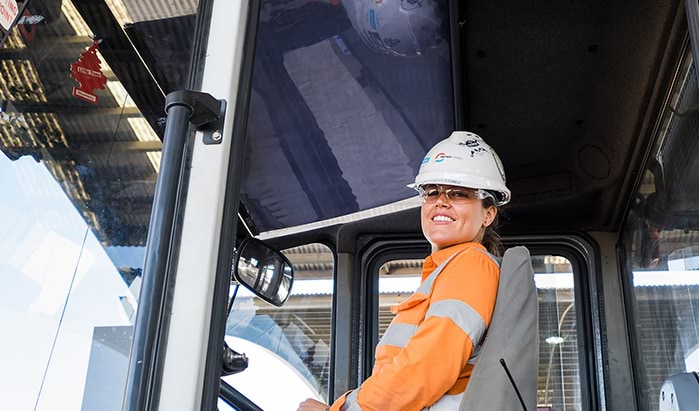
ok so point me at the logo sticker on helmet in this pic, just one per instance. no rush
(372, 19)
(472, 143)
(441, 156)
(426, 160)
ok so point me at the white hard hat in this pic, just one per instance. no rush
(464, 160)
(398, 27)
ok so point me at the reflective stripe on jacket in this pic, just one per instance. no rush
(425, 357)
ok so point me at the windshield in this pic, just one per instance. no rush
(347, 96)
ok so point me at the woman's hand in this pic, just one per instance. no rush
(312, 405)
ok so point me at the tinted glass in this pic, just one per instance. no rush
(326, 73)
(80, 141)
(661, 244)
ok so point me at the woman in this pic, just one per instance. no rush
(425, 358)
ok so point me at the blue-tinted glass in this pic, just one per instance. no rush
(347, 97)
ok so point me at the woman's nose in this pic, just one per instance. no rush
(442, 200)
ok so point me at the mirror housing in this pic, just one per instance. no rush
(263, 270)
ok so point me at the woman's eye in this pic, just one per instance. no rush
(459, 194)
(432, 193)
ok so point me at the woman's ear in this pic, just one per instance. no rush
(490, 214)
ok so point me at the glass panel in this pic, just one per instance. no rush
(559, 368)
(661, 244)
(224, 406)
(329, 72)
(288, 347)
(80, 127)
(559, 362)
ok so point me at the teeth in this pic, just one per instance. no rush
(442, 218)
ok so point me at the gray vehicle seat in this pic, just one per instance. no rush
(680, 393)
(513, 335)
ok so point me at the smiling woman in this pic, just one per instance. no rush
(427, 354)
(471, 176)
(457, 217)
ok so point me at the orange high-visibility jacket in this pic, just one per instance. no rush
(426, 355)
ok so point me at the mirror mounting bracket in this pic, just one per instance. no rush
(233, 361)
(207, 112)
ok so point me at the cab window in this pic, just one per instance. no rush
(289, 346)
(661, 253)
(559, 366)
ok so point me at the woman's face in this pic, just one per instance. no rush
(445, 223)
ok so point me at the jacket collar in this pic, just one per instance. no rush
(438, 257)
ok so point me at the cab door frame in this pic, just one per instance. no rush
(191, 315)
(589, 263)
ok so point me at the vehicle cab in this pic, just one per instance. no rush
(155, 154)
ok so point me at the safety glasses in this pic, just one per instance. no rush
(429, 193)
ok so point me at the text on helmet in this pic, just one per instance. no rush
(441, 156)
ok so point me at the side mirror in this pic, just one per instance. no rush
(263, 270)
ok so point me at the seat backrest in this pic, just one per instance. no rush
(680, 393)
(513, 335)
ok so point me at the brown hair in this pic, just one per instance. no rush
(491, 238)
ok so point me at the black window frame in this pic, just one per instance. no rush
(584, 260)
